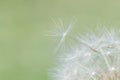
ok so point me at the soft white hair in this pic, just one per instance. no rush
(95, 56)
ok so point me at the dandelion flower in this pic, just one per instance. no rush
(95, 57)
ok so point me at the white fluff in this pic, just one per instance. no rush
(95, 57)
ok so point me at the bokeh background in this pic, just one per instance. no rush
(25, 52)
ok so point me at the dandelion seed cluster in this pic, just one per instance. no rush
(96, 57)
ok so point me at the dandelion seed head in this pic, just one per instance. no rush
(96, 57)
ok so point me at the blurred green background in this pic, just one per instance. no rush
(25, 52)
